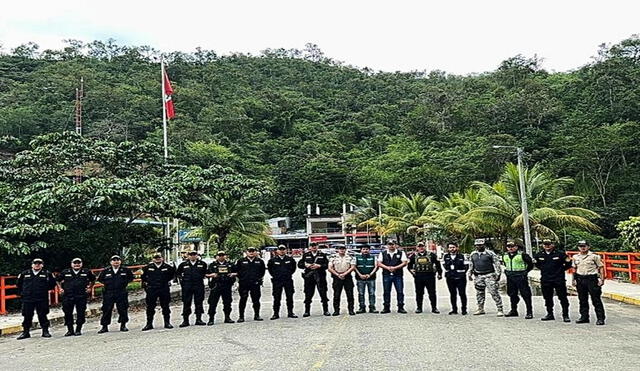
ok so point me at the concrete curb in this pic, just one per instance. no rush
(58, 319)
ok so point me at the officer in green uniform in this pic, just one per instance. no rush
(366, 268)
(517, 266)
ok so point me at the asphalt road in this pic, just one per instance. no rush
(362, 342)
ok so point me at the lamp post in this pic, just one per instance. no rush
(523, 199)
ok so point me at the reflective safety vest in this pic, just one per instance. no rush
(365, 264)
(515, 264)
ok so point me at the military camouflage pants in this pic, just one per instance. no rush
(483, 281)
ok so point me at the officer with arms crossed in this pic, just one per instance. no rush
(588, 280)
(75, 283)
(191, 275)
(281, 268)
(34, 285)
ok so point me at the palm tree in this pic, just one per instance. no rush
(402, 214)
(225, 218)
(550, 208)
(450, 221)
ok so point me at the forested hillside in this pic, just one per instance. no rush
(318, 131)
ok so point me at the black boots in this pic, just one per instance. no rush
(167, 322)
(325, 309)
(583, 320)
(149, 325)
(199, 321)
(512, 313)
(123, 327)
(291, 315)
(401, 309)
(372, 309)
(211, 317)
(419, 309)
(25, 334)
(103, 329)
(435, 310)
(386, 309)
(307, 310)
(362, 310)
(78, 330)
(45, 332)
(185, 322)
(548, 317)
(70, 331)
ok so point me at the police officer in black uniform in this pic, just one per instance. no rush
(74, 284)
(222, 275)
(423, 266)
(552, 264)
(456, 275)
(115, 278)
(191, 274)
(250, 270)
(281, 268)
(34, 285)
(315, 264)
(156, 278)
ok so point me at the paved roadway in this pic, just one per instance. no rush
(362, 342)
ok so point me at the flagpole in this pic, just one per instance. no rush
(164, 112)
(165, 142)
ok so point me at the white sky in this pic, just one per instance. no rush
(457, 36)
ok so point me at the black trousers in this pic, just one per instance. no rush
(246, 289)
(80, 305)
(153, 294)
(121, 302)
(41, 307)
(216, 293)
(277, 287)
(310, 285)
(560, 287)
(519, 284)
(192, 293)
(457, 287)
(588, 286)
(425, 281)
(347, 285)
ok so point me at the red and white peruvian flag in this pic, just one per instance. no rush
(168, 91)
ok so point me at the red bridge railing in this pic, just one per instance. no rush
(625, 265)
(7, 284)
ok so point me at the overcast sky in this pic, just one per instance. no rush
(457, 36)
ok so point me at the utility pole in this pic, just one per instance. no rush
(523, 199)
(77, 172)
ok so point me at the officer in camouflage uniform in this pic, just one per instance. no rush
(485, 266)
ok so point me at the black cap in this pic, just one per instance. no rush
(420, 243)
(391, 242)
(511, 243)
(582, 243)
(282, 247)
(157, 255)
(115, 257)
(76, 260)
(37, 261)
(221, 253)
(251, 249)
(546, 241)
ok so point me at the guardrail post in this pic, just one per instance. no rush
(3, 294)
